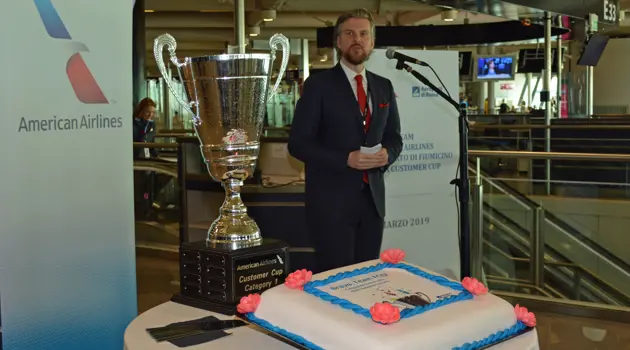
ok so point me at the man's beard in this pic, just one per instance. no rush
(356, 59)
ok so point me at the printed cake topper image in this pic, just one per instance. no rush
(405, 298)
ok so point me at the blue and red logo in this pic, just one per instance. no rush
(83, 83)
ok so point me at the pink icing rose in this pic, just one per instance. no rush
(528, 318)
(474, 286)
(297, 279)
(385, 313)
(393, 255)
(248, 304)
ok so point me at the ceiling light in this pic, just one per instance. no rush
(449, 15)
(149, 10)
(268, 15)
(253, 31)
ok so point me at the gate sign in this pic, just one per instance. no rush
(610, 11)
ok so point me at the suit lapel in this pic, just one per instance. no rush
(347, 95)
(375, 99)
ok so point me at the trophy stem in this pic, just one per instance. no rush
(233, 204)
(233, 226)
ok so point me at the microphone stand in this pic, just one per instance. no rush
(462, 182)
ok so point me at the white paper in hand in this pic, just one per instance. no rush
(371, 150)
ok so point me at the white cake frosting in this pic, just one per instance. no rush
(332, 327)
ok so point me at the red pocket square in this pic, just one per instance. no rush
(383, 105)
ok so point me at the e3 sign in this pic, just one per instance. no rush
(611, 9)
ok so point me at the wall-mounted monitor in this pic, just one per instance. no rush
(465, 66)
(593, 50)
(495, 67)
(533, 60)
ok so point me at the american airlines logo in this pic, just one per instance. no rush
(83, 82)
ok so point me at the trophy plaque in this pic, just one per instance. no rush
(227, 98)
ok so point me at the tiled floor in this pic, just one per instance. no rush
(157, 283)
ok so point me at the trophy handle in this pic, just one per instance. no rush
(283, 42)
(158, 48)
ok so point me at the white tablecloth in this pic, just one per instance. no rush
(242, 338)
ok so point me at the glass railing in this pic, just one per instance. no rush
(565, 245)
(156, 200)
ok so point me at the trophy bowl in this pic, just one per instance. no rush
(227, 97)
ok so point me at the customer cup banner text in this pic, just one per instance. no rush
(421, 203)
(67, 248)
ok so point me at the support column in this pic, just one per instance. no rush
(139, 53)
(546, 98)
(239, 26)
(481, 86)
(559, 57)
(589, 91)
(482, 93)
(492, 100)
(305, 59)
(528, 79)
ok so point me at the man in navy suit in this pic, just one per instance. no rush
(341, 110)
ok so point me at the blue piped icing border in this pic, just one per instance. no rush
(311, 288)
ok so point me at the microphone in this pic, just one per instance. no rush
(392, 54)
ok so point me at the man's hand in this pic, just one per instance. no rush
(383, 157)
(362, 161)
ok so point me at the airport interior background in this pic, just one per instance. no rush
(549, 151)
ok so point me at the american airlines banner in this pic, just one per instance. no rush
(422, 214)
(67, 250)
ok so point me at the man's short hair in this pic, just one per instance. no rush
(356, 13)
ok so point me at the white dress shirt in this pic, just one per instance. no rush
(353, 83)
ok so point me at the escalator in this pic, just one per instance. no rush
(507, 265)
(571, 258)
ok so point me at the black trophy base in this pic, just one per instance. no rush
(215, 278)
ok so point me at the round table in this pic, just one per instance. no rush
(137, 338)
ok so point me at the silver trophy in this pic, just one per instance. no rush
(227, 97)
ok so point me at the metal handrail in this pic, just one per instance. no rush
(550, 155)
(507, 138)
(492, 183)
(155, 167)
(537, 126)
(192, 131)
(155, 145)
(506, 281)
(162, 134)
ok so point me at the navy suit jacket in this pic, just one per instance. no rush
(328, 125)
(143, 131)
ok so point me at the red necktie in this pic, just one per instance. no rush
(365, 110)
